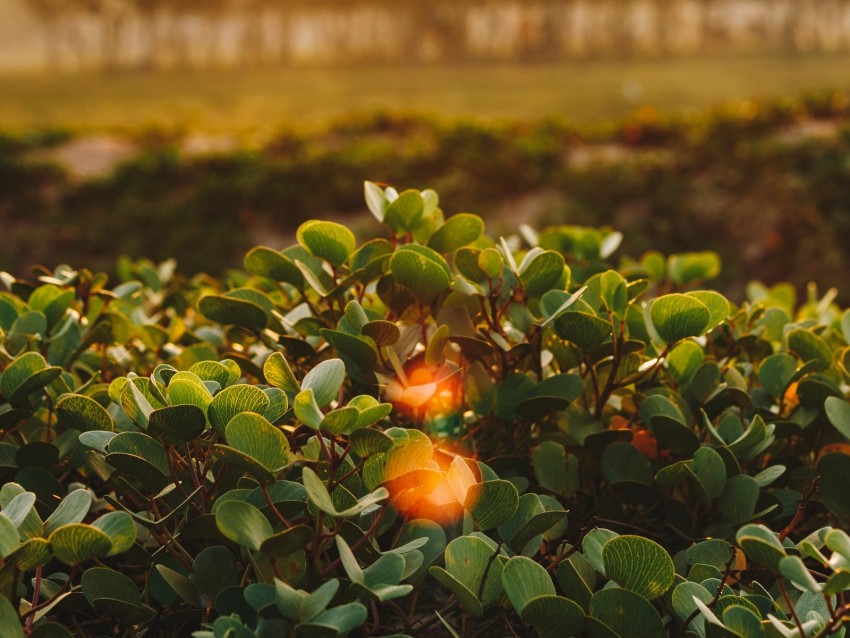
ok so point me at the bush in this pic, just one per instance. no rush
(762, 185)
(432, 432)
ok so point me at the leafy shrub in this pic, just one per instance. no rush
(432, 432)
(777, 168)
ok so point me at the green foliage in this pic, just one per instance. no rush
(432, 431)
(776, 168)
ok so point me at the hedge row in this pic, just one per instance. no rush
(763, 184)
(436, 432)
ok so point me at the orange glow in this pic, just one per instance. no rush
(425, 393)
(428, 492)
(645, 442)
(791, 400)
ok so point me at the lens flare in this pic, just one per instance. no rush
(431, 492)
(432, 399)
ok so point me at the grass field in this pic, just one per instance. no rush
(261, 101)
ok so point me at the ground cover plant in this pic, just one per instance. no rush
(434, 431)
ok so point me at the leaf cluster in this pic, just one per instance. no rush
(431, 431)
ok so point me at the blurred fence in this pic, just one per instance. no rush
(142, 34)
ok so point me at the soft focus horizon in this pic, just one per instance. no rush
(242, 66)
(688, 124)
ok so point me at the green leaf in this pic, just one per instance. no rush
(435, 545)
(72, 509)
(554, 616)
(383, 333)
(688, 267)
(9, 619)
(83, 413)
(19, 510)
(278, 404)
(120, 529)
(142, 446)
(684, 360)
(793, 568)
(267, 262)
(810, 347)
(278, 373)
(761, 545)
(181, 585)
(213, 570)
(186, 388)
(542, 273)
(555, 469)
(582, 329)
(403, 214)
(638, 564)
(490, 262)
(776, 372)
(113, 592)
(469, 561)
(741, 621)
(177, 424)
(9, 538)
(710, 469)
(215, 371)
(341, 619)
(331, 241)
(458, 230)
(340, 421)
(684, 606)
(677, 316)
(838, 413)
(234, 400)
(492, 503)
(318, 493)
(243, 523)
(524, 580)
(376, 199)
(835, 468)
(368, 441)
(76, 543)
(717, 305)
(27, 374)
(737, 502)
(325, 380)
(592, 546)
(624, 462)
(626, 613)
(255, 437)
(288, 541)
(233, 311)
(307, 410)
(421, 270)
(318, 600)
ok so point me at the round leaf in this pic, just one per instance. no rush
(524, 580)
(639, 565)
(458, 230)
(421, 270)
(255, 437)
(83, 413)
(679, 316)
(243, 523)
(331, 241)
(626, 613)
(76, 543)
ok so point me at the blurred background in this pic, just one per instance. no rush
(196, 129)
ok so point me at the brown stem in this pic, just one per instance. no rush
(801, 509)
